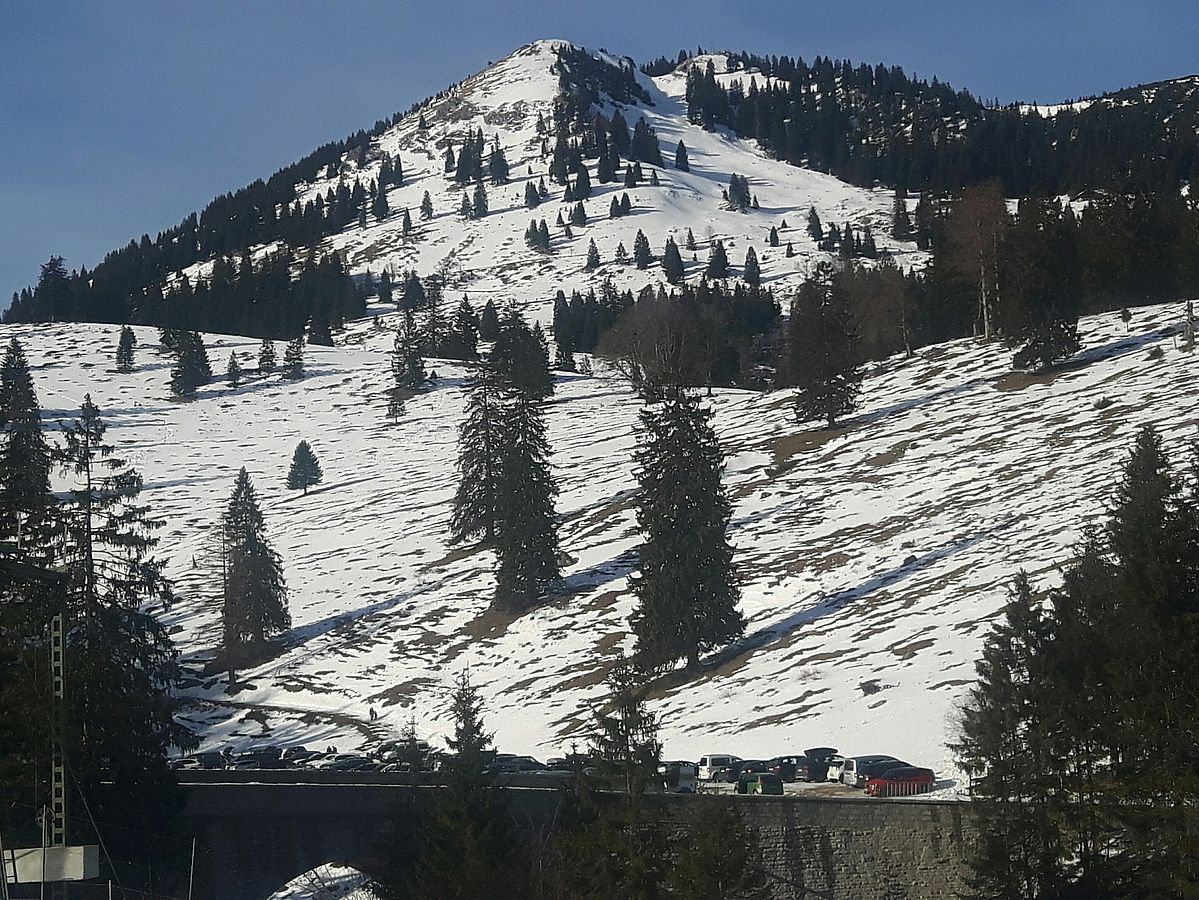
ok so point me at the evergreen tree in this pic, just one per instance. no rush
(497, 165)
(641, 252)
(738, 192)
(526, 544)
(468, 847)
(822, 350)
(718, 262)
(293, 359)
(479, 439)
(255, 602)
(686, 588)
(672, 262)
(621, 257)
(521, 357)
(123, 667)
(406, 223)
(25, 500)
(465, 209)
(578, 214)
(266, 356)
(305, 471)
(690, 245)
(680, 158)
(379, 207)
(125, 350)
(582, 185)
(489, 322)
(192, 368)
(752, 273)
(626, 205)
(773, 240)
(735, 873)
(815, 229)
(901, 222)
(426, 207)
(479, 205)
(233, 371)
(407, 364)
(653, 178)
(593, 257)
(790, 252)
(532, 198)
(614, 209)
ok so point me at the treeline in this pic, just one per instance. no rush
(875, 124)
(698, 335)
(257, 299)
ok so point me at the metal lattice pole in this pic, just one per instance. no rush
(58, 769)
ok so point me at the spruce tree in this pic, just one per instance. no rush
(407, 363)
(752, 273)
(489, 322)
(593, 257)
(406, 223)
(255, 597)
(266, 356)
(521, 357)
(672, 262)
(690, 245)
(686, 587)
(479, 207)
(773, 240)
(680, 158)
(426, 207)
(468, 846)
(192, 368)
(815, 229)
(614, 208)
(293, 359)
(621, 256)
(822, 359)
(532, 199)
(123, 666)
(479, 440)
(125, 346)
(465, 209)
(305, 471)
(901, 222)
(233, 371)
(379, 207)
(526, 543)
(25, 500)
(641, 252)
(718, 262)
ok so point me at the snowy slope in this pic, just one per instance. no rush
(488, 258)
(874, 558)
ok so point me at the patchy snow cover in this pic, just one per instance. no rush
(873, 558)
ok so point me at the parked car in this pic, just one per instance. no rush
(816, 762)
(730, 773)
(858, 769)
(904, 781)
(835, 766)
(294, 756)
(786, 767)
(709, 765)
(679, 777)
(509, 762)
(759, 783)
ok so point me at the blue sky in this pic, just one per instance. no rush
(119, 117)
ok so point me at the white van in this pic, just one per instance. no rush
(711, 764)
(854, 771)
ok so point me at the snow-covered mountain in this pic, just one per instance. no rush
(487, 258)
(873, 557)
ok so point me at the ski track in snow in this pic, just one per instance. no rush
(874, 558)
